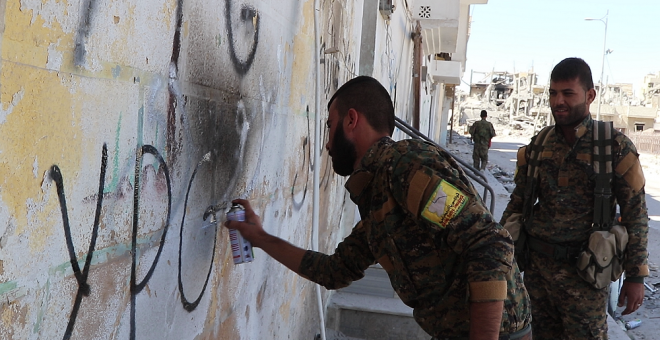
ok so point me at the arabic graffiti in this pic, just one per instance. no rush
(136, 287)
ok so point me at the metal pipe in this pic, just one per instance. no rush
(317, 155)
(602, 66)
(474, 174)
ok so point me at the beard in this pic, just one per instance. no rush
(573, 117)
(343, 153)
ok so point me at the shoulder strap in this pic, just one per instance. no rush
(603, 138)
(537, 150)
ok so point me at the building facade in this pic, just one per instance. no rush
(127, 126)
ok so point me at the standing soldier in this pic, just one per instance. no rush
(562, 218)
(482, 132)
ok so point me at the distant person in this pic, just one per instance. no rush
(482, 132)
(422, 220)
(564, 305)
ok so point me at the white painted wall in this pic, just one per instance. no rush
(229, 80)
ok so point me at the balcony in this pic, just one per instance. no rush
(439, 22)
(447, 72)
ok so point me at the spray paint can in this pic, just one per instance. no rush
(633, 323)
(241, 249)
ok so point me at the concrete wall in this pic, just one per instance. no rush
(122, 121)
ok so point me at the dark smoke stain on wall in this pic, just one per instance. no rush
(217, 125)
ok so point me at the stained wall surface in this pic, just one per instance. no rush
(122, 121)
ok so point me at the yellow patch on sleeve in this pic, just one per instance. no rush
(445, 203)
(585, 157)
(643, 270)
(488, 291)
(626, 163)
(631, 170)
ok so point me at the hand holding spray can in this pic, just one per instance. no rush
(241, 249)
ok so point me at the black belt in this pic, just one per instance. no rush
(521, 334)
(557, 252)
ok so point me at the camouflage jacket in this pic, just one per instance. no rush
(423, 221)
(564, 212)
(482, 131)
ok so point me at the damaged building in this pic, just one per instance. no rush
(518, 100)
(512, 98)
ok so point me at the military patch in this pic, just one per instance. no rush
(444, 204)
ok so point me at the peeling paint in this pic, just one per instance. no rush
(28, 35)
(15, 99)
(45, 103)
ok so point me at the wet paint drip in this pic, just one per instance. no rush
(241, 249)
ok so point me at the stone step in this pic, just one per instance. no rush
(370, 309)
(370, 317)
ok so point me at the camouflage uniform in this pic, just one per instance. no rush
(441, 252)
(482, 131)
(564, 306)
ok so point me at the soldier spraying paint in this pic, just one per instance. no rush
(421, 219)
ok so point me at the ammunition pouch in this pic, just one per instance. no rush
(602, 261)
(516, 228)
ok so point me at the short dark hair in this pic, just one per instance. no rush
(484, 114)
(571, 68)
(367, 96)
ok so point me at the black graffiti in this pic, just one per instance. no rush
(249, 17)
(306, 156)
(79, 52)
(81, 276)
(136, 288)
(328, 172)
(172, 145)
(330, 71)
(187, 305)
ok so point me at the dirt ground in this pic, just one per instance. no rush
(502, 166)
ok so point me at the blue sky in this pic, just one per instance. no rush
(525, 35)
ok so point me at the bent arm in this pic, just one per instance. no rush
(282, 251)
(631, 197)
(516, 198)
(485, 320)
(346, 265)
(252, 230)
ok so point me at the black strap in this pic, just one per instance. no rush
(603, 142)
(555, 251)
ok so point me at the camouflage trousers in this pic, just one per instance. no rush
(564, 306)
(480, 156)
